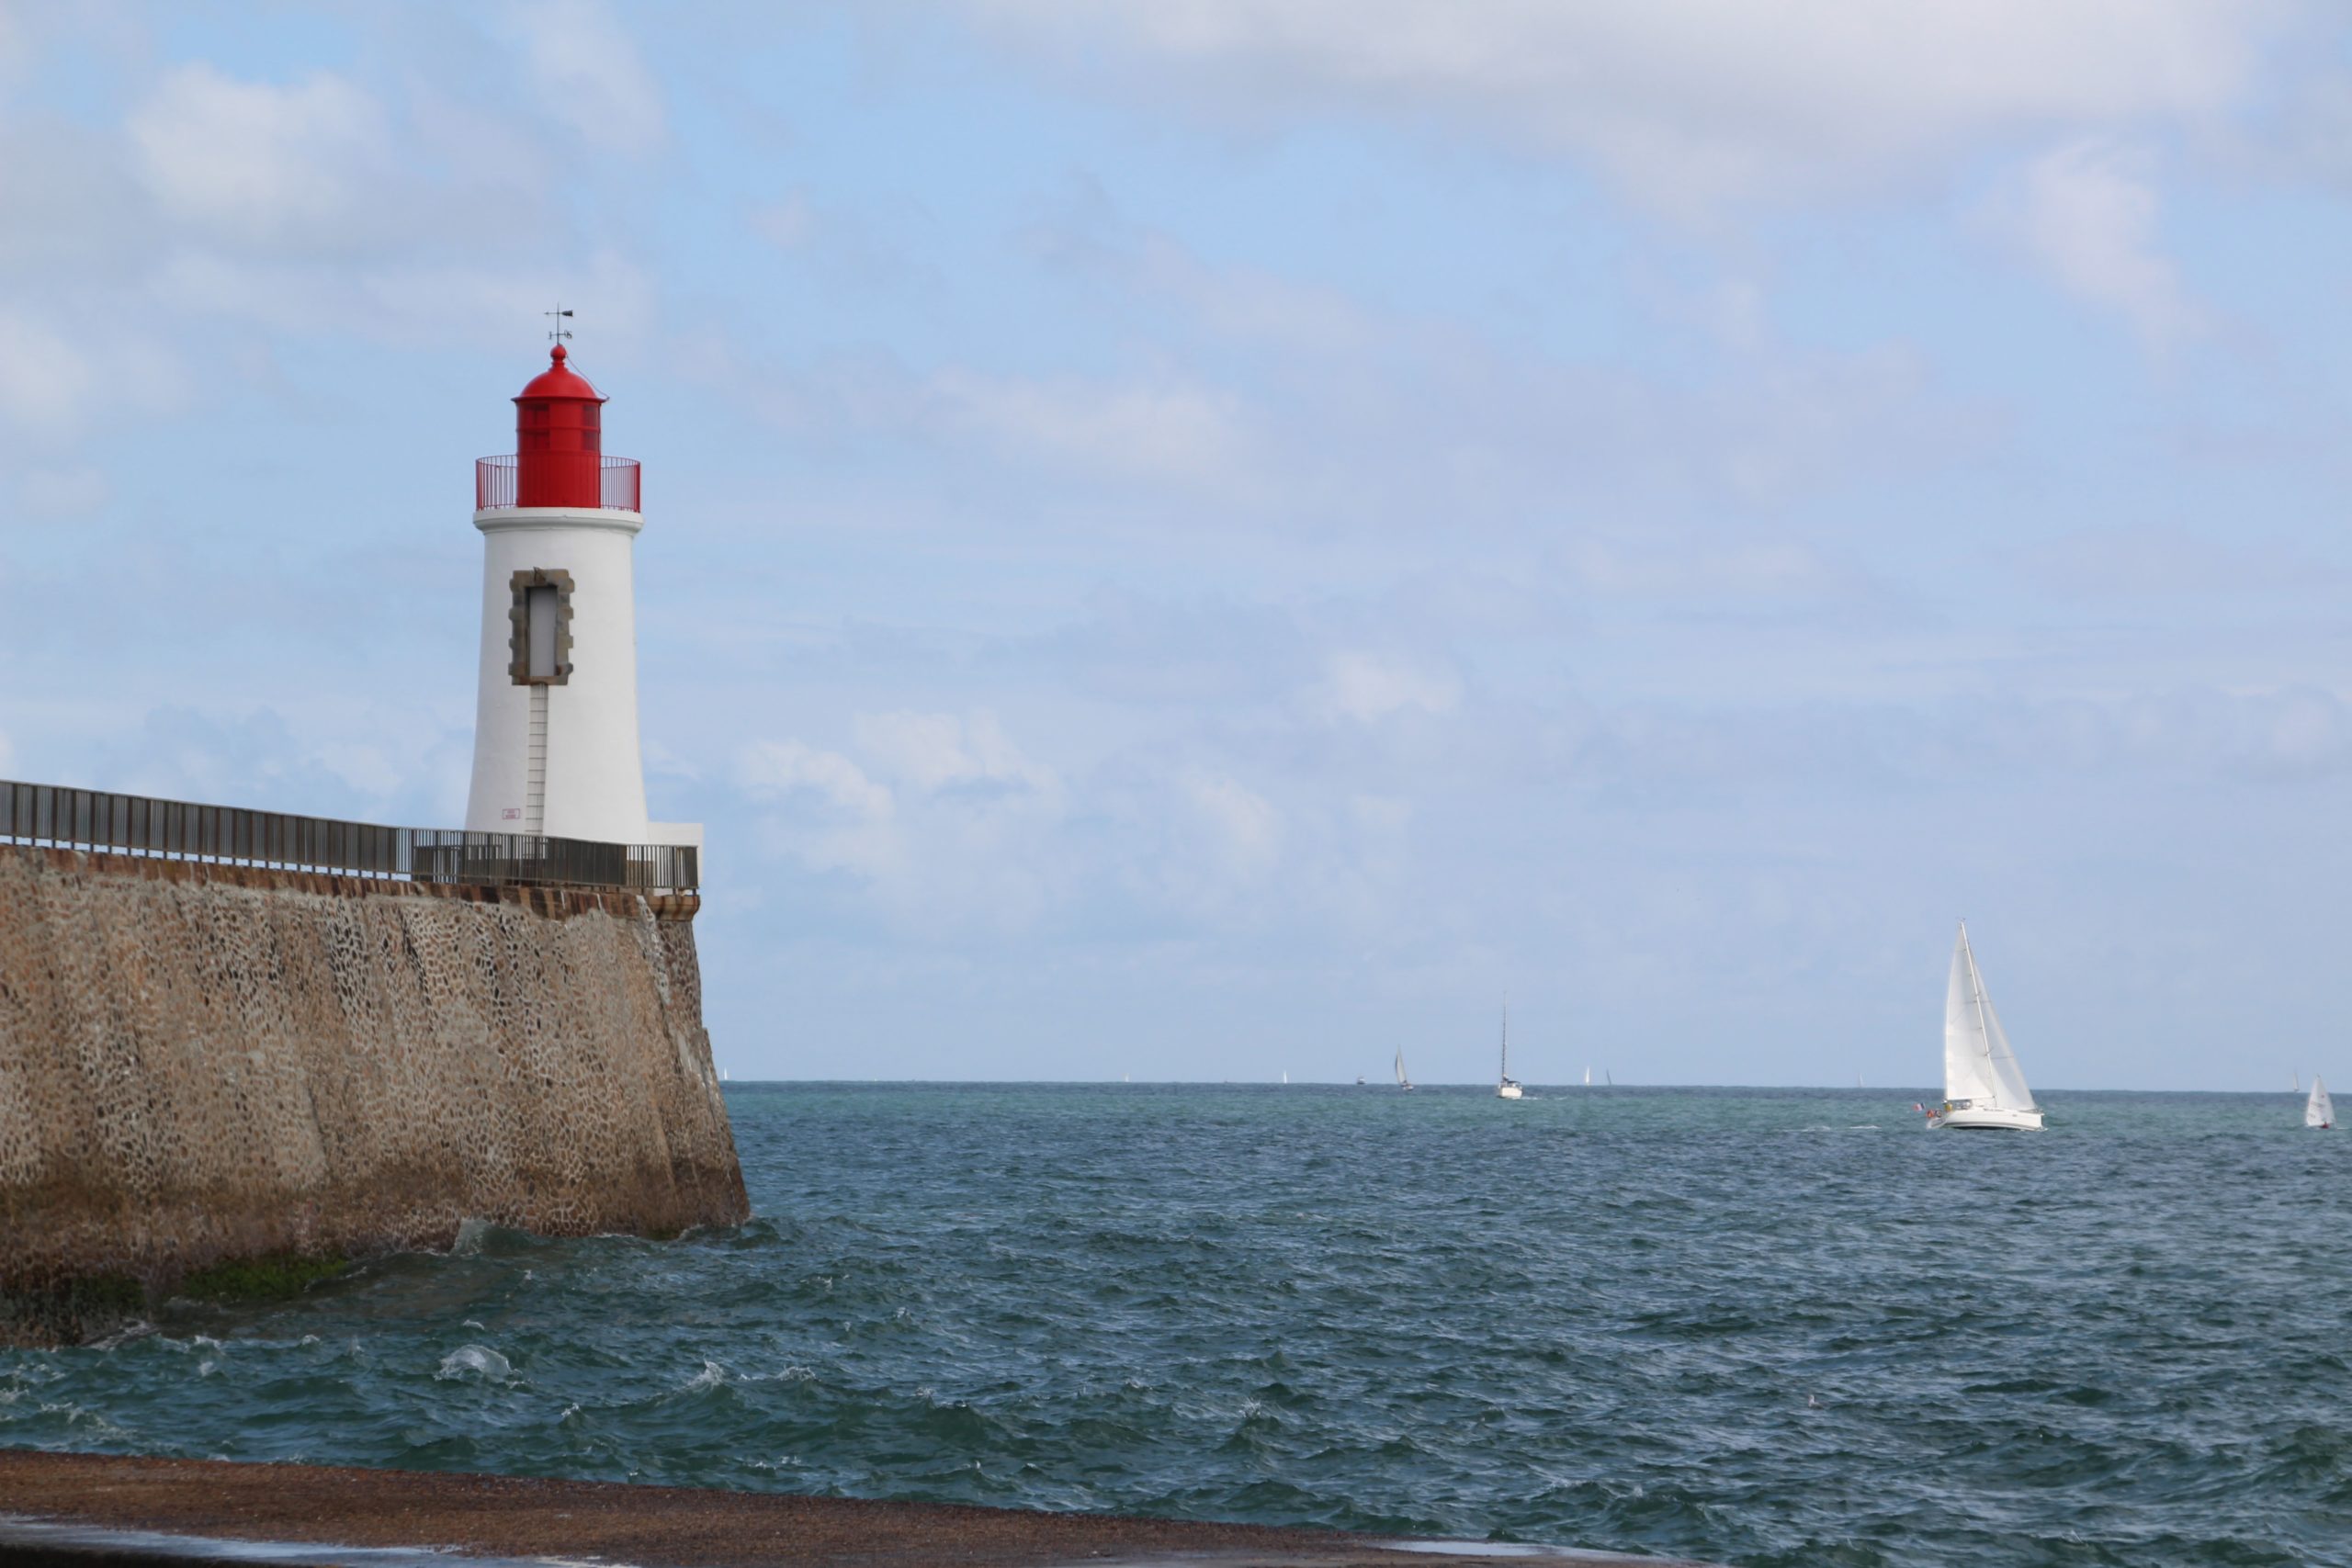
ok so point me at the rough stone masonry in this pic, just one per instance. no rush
(202, 1064)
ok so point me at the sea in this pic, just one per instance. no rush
(1749, 1326)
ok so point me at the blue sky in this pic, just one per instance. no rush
(1205, 540)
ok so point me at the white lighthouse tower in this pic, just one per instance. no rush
(555, 730)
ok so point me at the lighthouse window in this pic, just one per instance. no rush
(541, 611)
(540, 644)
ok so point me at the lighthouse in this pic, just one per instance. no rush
(554, 729)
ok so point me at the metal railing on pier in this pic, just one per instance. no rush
(174, 829)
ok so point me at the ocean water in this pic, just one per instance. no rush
(1752, 1327)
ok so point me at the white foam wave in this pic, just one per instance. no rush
(480, 1360)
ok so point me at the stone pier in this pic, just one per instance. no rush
(208, 1066)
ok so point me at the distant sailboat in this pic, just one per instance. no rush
(1984, 1085)
(1588, 1078)
(1608, 1080)
(1285, 1078)
(2319, 1111)
(1402, 1081)
(1506, 1088)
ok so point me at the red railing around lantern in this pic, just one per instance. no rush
(618, 484)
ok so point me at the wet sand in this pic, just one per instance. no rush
(513, 1518)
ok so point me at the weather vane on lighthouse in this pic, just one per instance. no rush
(558, 315)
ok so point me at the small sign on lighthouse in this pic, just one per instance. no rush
(556, 748)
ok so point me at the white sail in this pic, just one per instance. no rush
(2319, 1111)
(1979, 1067)
(1401, 1079)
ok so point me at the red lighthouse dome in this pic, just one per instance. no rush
(559, 457)
(558, 439)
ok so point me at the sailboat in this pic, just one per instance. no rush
(2319, 1111)
(1402, 1081)
(1984, 1085)
(1507, 1086)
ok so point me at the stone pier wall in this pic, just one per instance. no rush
(203, 1064)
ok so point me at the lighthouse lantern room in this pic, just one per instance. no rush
(555, 746)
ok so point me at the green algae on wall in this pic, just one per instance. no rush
(211, 1077)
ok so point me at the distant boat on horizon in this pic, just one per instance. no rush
(1506, 1088)
(1985, 1088)
(1402, 1081)
(2319, 1111)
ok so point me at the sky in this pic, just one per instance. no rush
(1205, 540)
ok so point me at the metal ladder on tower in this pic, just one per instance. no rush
(535, 789)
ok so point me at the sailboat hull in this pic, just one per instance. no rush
(1507, 1091)
(1985, 1119)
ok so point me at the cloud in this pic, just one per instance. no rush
(933, 751)
(773, 769)
(828, 813)
(252, 163)
(57, 374)
(1168, 430)
(586, 74)
(1244, 829)
(1368, 688)
(946, 825)
(1685, 104)
(2087, 213)
(46, 382)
